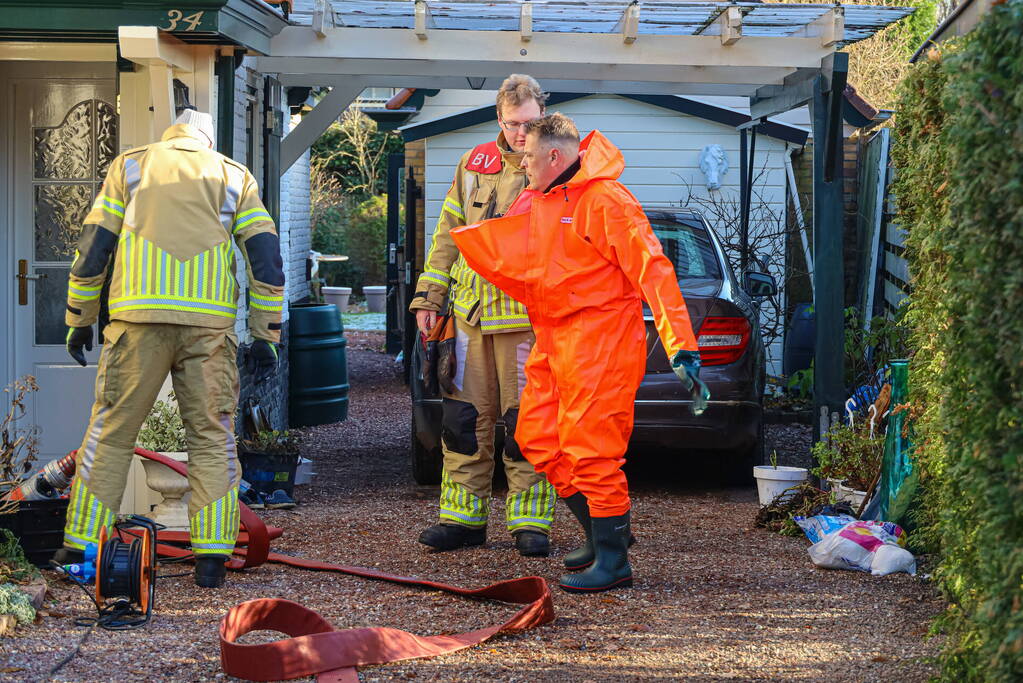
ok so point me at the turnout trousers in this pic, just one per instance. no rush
(134, 362)
(489, 377)
(577, 409)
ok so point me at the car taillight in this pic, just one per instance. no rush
(723, 340)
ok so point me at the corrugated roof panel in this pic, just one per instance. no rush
(669, 17)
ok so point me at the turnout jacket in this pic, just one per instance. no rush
(585, 247)
(487, 180)
(168, 215)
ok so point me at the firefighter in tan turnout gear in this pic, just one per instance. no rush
(493, 339)
(168, 215)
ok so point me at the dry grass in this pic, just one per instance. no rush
(715, 597)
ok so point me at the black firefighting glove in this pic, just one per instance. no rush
(78, 337)
(263, 360)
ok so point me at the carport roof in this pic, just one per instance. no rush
(654, 17)
(771, 53)
(682, 105)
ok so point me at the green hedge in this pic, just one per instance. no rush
(960, 196)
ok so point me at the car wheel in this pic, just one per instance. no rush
(741, 466)
(427, 463)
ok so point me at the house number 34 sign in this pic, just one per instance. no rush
(177, 21)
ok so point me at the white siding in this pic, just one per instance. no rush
(448, 102)
(661, 149)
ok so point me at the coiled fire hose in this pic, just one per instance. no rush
(315, 648)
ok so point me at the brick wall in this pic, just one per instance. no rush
(294, 230)
(850, 202)
(802, 164)
(415, 157)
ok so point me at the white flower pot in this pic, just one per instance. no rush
(337, 296)
(849, 495)
(304, 472)
(376, 296)
(173, 511)
(771, 481)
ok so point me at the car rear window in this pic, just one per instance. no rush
(689, 248)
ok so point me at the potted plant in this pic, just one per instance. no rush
(773, 481)
(32, 514)
(162, 432)
(269, 461)
(848, 458)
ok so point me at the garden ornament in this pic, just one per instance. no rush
(872, 413)
(850, 406)
(713, 164)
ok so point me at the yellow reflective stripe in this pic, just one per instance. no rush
(454, 206)
(453, 212)
(266, 297)
(87, 288)
(272, 309)
(74, 293)
(111, 210)
(194, 299)
(260, 215)
(170, 307)
(111, 199)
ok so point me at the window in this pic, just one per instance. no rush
(689, 248)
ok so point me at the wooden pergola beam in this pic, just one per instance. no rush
(628, 25)
(730, 22)
(526, 21)
(424, 20)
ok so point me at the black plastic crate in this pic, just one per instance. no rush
(39, 527)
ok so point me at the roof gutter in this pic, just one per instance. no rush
(932, 40)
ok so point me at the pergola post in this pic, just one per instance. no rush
(829, 383)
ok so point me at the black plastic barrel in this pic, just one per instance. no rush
(800, 340)
(318, 366)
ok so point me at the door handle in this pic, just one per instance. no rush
(23, 278)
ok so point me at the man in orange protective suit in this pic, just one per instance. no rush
(578, 251)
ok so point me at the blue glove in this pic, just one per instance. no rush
(686, 365)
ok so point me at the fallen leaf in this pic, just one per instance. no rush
(879, 659)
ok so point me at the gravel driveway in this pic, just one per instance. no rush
(715, 598)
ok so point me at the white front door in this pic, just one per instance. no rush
(61, 124)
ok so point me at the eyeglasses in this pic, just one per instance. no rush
(514, 125)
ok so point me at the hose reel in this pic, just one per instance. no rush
(122, 572)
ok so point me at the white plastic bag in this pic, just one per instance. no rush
(855, 546)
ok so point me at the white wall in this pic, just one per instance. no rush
(661, 149)
(448, 102)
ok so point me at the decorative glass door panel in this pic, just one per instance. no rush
(61, 133)
(70, 161)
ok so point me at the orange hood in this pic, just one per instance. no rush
(599, 159)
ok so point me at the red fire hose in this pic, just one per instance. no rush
(315, 647)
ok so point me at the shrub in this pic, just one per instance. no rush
(272, 442)
(359, 231)
(960, 198)
(163, 431)
(849, 454)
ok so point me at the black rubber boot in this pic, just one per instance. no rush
(210, 571)
(69, 556)
(581, 557)
(532, 543)
(452, 536)
(610, 568)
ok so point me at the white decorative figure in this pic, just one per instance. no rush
(714, 164)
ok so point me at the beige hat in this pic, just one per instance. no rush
(201, 121)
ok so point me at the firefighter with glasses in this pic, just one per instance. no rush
(168, 217)
(493, 340)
